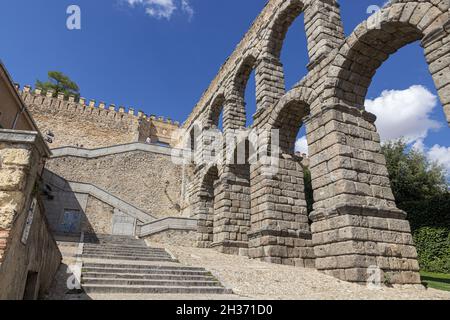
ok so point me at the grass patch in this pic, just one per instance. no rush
(440, 281)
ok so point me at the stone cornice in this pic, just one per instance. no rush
(26, 137)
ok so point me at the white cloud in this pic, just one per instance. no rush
(163, 8)
(404, 113)
(441, 155)
(419, 146)
(187, 8)
(301, 145)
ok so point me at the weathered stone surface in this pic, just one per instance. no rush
(34, 253)
(354, 211)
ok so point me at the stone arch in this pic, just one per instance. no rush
(205, 204)
(280, 230)
(192, 140)
(234, 110)
(374, 40)
(286, 15)
(289, 113)
(215, 109)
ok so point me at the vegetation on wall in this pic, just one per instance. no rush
(59, 83)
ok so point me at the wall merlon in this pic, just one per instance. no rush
(52, 113)
(36, 97)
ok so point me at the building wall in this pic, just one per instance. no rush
(21, 162)
(11, 108)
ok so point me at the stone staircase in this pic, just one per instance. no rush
(117, 264)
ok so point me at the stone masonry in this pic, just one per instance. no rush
(355, 224)
(29, 256)
(86, 124)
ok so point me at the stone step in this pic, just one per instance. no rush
(132, 242)
(143, 276)
(98, 288)
(123, 248)
(150, 272)
(118, 246)
(109, 256)
(120, 257)
(126, 254)
(110, 237)
(145, 282)
(139, 267)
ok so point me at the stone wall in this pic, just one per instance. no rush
(99, 217)
(174, 238)
(87, 125)
(149, 181)
(29, 256)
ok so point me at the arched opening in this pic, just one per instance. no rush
(206, 208)
(403, 103)
(348, 148)
(366, 55)
(279, 215)
(236, 115)
(192, 143)
(302, 151)
(293, 142)
(250, 99)
(355, 69)
(294, 54)
(405, 100)
(216, 113)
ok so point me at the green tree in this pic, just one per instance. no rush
(413, 177)
(59, 83)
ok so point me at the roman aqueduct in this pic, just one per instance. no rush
(355, 223)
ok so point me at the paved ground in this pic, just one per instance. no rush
(258, 280)
(251, 279)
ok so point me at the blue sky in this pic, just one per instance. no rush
(161, 58)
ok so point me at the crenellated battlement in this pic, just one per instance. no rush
(88, 123)
(39, 96)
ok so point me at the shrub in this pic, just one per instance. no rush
(430, 224)
(433, 248)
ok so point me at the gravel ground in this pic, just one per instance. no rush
(253, 279)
